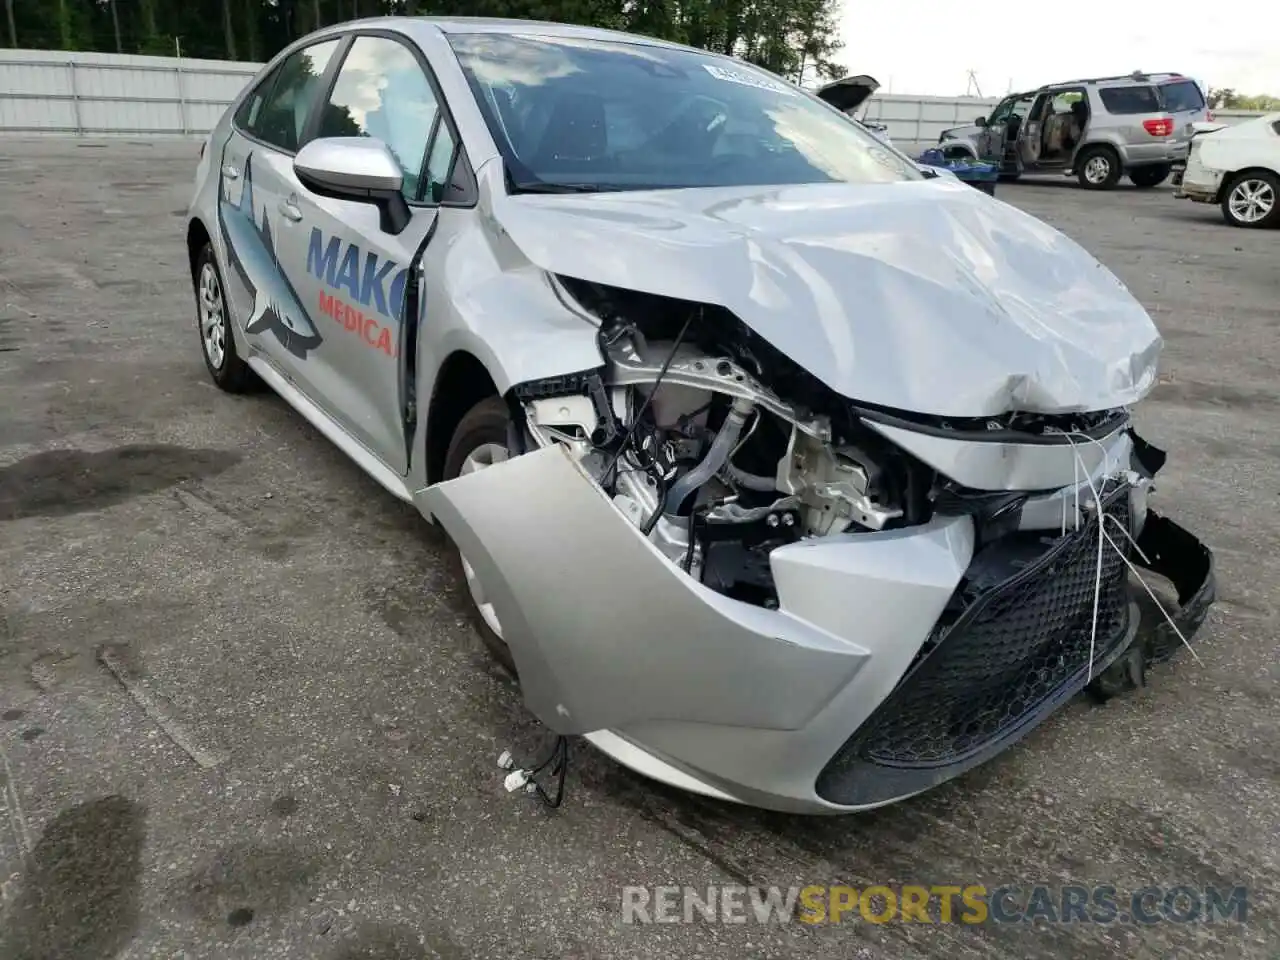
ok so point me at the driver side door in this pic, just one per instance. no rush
(991, 139)
(351, 267)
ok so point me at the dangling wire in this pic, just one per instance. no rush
(558, 763)
(635, 421)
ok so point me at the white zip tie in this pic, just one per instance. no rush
(1097, 574)
(1132, 568)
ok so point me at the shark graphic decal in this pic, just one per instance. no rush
(251, 250)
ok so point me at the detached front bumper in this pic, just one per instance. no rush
(895, 661)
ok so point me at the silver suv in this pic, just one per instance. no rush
(1099, 129)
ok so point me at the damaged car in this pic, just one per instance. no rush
(778, 468)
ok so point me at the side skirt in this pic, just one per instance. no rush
(392, 482)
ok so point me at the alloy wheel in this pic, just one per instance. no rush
(1252, 200)
(213, 317)
(1097, 169)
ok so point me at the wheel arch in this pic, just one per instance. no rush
(1229, 179)
(197, 236)
(1104, 143)
(461, 382)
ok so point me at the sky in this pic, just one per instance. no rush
(931, 50)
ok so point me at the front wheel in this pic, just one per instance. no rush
(1252, 199)
(480, 441)
(1098, 168)
(1151, 176)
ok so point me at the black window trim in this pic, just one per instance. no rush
(468, 184)
(326, 81)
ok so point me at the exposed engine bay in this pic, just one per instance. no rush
(720, 449)
(915, 591)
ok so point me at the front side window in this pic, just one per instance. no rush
(1002, 111)
(1130, 100)
(578, 114)
(279, 119)
(381, 91)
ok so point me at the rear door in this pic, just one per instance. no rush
(350, 273)
(267, 130)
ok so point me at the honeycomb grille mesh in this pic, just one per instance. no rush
(1008, 651)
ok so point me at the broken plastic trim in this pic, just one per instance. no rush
(1181, 558)
(587, 383)
(981, 430)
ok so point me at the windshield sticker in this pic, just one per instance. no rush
(746, 79)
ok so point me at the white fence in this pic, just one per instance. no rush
(105, 95)
(102, 95)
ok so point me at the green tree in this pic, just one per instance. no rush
(1226, 98)
(786, 36)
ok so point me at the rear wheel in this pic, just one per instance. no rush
(213, 320)
(480, 441)
(1252, 199)
(1098, 168)
(1151, 176)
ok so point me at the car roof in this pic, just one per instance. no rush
(532, 28)
(1127, 80)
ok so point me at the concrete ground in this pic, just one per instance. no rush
(242, 714)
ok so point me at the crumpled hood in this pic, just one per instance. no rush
(925, 296)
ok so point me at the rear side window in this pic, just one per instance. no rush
(382, 92)
(1130, 100)
(280, 117)
(1182, 96)
(251, 108)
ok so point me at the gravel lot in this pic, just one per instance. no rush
(242, 714)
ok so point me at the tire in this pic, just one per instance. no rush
(1098, 168)
(1150, 176)
(213, 324)
(484, 424)
(1009, 177)
(1263, 210)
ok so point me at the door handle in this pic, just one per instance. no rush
(289, 210)
(230, 172)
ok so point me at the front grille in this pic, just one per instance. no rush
(1012, 645)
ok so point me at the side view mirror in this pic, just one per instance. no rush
(362, 169)
(980, 122)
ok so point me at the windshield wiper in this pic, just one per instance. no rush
(544, 186)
